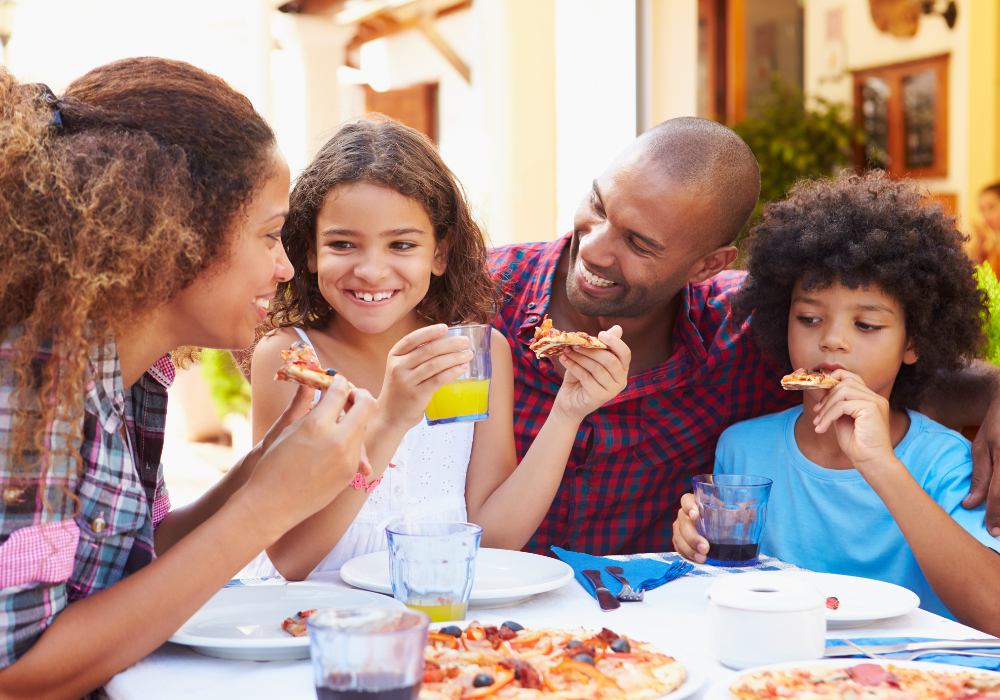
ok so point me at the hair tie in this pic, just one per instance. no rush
(49, 99)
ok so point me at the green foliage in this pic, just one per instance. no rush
(792, 142)
(230, 391)
(987, 280)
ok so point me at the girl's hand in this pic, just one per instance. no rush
(593, 377)
(860, 418)
(688, 543)
(308, 459)
(418, 365)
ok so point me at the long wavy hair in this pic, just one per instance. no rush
(382, 151)
(113, 198)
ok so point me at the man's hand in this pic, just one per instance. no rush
(593, 377)
(986, 479)
(688, 543)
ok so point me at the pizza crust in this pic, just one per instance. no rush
(549, 342)
(802, 379)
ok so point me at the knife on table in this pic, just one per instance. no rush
(604, 596)
(943, 644)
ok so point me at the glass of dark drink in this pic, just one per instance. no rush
(731, 513)
(367, 653)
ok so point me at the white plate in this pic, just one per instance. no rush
(720, 690)
(503, 577)
(862, 600)
(245, 622)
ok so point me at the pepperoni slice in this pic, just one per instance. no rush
(872, 674)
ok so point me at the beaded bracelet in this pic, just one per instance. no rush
(360, 482)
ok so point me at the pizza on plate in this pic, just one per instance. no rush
(296, 624)
(804, 379)
(517, 664)
(867, 681)
(302, 366)
(549, 342)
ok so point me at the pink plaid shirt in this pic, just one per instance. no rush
(74, 532)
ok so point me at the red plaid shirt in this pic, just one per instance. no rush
(635, 456)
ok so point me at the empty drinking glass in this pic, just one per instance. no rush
(731, 513)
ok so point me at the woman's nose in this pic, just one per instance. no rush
(283, 270)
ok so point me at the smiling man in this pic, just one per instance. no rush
(648, 252)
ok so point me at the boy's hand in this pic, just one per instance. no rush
(688, 543)
(593, 377)
(418, 365)
(860, 418)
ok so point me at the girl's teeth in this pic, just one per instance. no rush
(377, 296)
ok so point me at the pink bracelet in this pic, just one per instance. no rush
(360, 482)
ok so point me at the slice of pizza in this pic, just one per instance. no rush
(302, 366)
(802, 379)
(296, 624)
(549, 342)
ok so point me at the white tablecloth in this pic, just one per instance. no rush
(672, 616)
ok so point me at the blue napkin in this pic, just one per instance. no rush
(984, 662)
(642, 574)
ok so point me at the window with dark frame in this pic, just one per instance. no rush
(903, 110)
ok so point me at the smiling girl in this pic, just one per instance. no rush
(386, 256)
(862, 277)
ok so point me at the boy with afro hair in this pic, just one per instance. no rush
(861, 277)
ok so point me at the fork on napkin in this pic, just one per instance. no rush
(643, 574)
(942, 657)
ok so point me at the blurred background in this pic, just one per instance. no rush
(529, 100)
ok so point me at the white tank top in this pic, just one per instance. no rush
(425, 481)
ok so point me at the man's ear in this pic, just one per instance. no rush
(910, 355)
(711, 264)
(440, 263)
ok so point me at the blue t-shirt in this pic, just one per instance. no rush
(831, 520)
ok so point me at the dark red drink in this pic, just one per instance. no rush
(732, 553)
(370, 687)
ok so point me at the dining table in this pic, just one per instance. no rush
(673, 616)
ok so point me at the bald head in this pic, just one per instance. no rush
(707, 157)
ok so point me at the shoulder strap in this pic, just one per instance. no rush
(302, 334)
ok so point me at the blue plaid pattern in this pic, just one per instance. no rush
(110, 498)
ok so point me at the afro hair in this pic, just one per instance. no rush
(860, 231)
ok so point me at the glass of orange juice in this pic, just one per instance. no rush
(468, 397)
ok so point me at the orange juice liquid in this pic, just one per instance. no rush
(443, 613)
(466, 397)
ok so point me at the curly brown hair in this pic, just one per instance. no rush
(380, 150)
(102, 219)
(861, 230)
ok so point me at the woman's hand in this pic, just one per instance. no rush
(593, 377)
(418, 365)
(307, 460)
(860, 418)
(688, 543)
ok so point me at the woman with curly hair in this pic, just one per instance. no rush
(862, 278)
(387, 255)
(139, 213)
